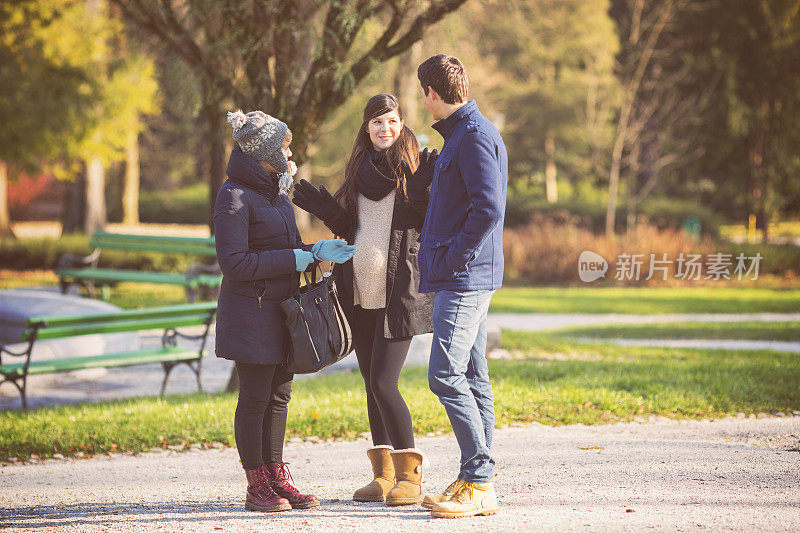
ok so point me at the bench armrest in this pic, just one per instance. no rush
(196, 269)
(71, 260)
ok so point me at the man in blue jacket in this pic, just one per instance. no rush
(461, 260)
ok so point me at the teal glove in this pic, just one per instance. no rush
(302, 259)
(315, 248)
(335, 250)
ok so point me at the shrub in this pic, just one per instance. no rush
(547, 252)
(188, 205)
(43, 254)
(663, 213)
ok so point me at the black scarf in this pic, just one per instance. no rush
(375, 178)
(247, 171)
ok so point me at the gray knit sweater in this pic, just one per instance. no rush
(372, 251)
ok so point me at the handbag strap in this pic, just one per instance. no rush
(313, 279)
(330, 270)
(341, 322)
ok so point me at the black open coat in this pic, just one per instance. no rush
(408, 312)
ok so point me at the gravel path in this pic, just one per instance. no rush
(728, 475)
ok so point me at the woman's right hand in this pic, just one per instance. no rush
(302, 259)
(422, 178)
(318, 202)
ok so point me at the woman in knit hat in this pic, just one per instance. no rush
(379, 286)
(261, 256)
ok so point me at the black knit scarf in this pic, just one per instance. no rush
(375, 178)
(245, 170)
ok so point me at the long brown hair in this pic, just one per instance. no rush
(406, 148)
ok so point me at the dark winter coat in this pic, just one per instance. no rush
(408, 312)
(255, 235)
(462, 240)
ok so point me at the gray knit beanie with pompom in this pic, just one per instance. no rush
(260, 136)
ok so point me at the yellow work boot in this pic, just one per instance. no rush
(382, 473)
(408, 471)
(448, 493)
(471, 499)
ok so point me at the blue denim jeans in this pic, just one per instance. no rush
(459, 376)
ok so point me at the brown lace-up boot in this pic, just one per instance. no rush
(260, 497)
(279, 481)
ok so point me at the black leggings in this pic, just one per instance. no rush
(260, 421)
(380, 361)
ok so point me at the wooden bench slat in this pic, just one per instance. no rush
(130, 314)
(153, 355)
(166, 278)
(154, 238)
(118, 327)
(157, 243)
(148, 247)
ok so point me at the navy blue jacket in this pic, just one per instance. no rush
(462, 237)
(255, 234)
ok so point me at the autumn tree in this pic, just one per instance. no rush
(46, 92)
(758, 43)
(297, 60)
(557, 60)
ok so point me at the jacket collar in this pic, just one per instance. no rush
(446, 126)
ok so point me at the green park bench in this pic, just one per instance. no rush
(169, 354)
(198, 278)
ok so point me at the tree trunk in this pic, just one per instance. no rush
(95, 217)
(72, 219)
(130, 193)
(5, 219)
(215, 144)
(645, 41)
(406, 84)
(551, 187)
(303, 218)
(633, 182)
(613, 185)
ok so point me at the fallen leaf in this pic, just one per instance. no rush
(591, 447)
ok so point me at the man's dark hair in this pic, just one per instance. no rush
(447, 76)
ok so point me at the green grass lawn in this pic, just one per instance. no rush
(772, 331)
(552, 381)
(645, 301)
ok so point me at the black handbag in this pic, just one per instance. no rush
(319, 334)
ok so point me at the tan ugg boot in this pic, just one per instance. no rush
(432, 499)
(408, 471)
(383, 476)
(470, 500)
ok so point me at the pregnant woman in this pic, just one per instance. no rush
(379, 286)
